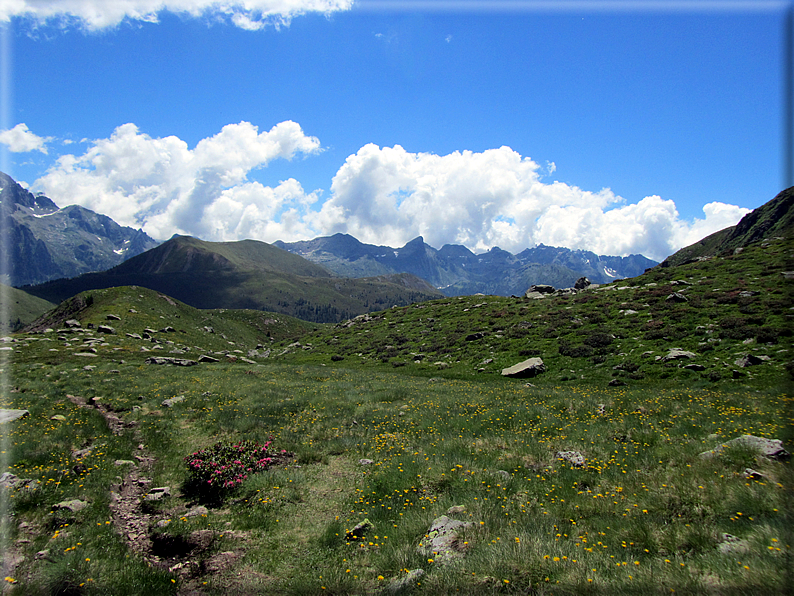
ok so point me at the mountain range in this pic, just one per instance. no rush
(44, 242)
(455, 270)
(247, 275)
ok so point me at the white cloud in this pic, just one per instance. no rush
(497, 198)
(164, 187)
(101, 14)
(21, 140)
(379, 195)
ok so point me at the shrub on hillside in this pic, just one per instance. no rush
(580, 351)
(598, 340)
(216, 471)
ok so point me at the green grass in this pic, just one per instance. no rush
(644, 498)
(22, 307)
(645, 515)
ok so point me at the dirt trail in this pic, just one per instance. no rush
(129, 519)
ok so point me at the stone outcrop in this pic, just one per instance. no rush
(169, 360)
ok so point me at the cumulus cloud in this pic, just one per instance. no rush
(380, 195)
(162, 186)
(101, 14)
(498, 198)
(21, 140)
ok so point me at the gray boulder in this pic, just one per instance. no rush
(157, 494)
(581, 283)
(171, 402)
(769, 448)
(750, 360)
(403, 585)
(676, 297)
(442, 543)
(695, 367)
(169, 360)
(74, 505)
(542, 288)
(11, 415)
(360, 530)
(574, 458)
(732, 545)
(9, 480)
(677, 354)
(528, 368)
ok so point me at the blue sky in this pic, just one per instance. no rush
(616, 127)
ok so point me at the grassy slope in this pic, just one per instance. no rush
(157, 311)
(773, 219)
(22, 308)
(588, 337)
(644, 516)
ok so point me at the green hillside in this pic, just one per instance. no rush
(246, 275)
(20, 308)
(774, 219)
(140, 308)
(732, 305)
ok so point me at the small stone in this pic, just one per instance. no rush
(402, 585)
(365, 462)
(695, 367)
(170, 403)
(574, 458)
(732, 545)
(360, 530)
(157, 494)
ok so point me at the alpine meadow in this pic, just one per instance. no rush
(642, 447)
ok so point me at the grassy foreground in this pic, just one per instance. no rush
(645, 515)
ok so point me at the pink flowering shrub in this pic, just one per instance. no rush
(218, 470)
